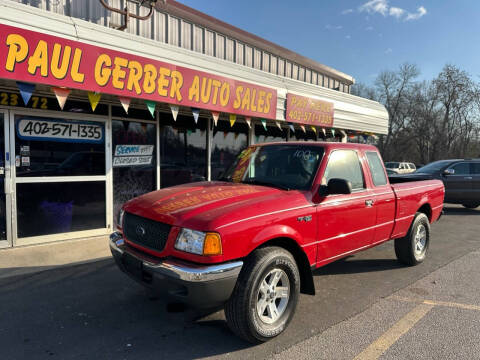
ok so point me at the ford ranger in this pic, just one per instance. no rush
(250, 241)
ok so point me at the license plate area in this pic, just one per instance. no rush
(132, 265)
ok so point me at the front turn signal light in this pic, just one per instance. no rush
(212, 244)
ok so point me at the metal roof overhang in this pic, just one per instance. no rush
(351, 112)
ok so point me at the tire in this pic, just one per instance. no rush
(243, 310)
(413, 248)
(470, 206)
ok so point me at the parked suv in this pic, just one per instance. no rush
(400, 167)
(461, 178)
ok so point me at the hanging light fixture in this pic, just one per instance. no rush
(127, 14)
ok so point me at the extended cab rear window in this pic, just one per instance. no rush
(376, 169)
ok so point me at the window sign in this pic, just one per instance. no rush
(62, 131)
(130, 150)
(131, 160)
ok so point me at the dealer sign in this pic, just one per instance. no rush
(305, 110)
(38, 58)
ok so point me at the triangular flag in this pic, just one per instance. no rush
(215, 115)
(62, 95)
(333, 132)
(365, 137)
(174, 109)
(125, 101)
(314, 129)
(26, 90)
(94, 99)
(278, 125)
(151, 107)
(291, 127)
(233, 118)
(249, 121)
(264, 123)
(324, 132)
(196, 114)
(303, 128)
(189, 132)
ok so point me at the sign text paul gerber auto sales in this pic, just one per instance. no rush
(35, 57)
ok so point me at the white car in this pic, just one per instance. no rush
(400, 167)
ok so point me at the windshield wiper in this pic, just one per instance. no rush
(265, 183)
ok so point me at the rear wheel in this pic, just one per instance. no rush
(265, 296)
(412, 249)
(471, 206)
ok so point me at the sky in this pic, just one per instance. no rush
(363, 37)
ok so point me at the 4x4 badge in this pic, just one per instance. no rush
(304, 218)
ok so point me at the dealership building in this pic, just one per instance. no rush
(92, 115)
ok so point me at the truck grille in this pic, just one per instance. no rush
(145, 232)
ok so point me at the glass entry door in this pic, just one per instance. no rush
(5, 184)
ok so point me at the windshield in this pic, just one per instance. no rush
(433, 167)
(282, 166)
(392, 165)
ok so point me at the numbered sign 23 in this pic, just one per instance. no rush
(58, 130)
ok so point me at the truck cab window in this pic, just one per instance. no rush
(344, 164)
(376, 169)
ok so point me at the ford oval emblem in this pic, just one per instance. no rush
(140, 230)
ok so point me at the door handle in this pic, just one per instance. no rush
(369, 203)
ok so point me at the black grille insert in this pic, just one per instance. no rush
(145, 232)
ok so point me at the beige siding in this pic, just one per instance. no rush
(240, 55)
(248, 56)
(257, 59)
(160, 26)
(281, 67)
(198, 38)
(220, 46)
(186, 37)
(273, 64)
(173, 31)
(230, 50)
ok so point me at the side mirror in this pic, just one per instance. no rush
(448, 172)
(336, 186)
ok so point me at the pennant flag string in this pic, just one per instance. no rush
(174, 109)
(324, 132)
(61, 94)
(215, 115)
(314, 129)
(279, 125)
(125, 101)
(196, 114)
(291, 127)
(151, 107)
(333, 132)
(264, 123)
(233, 118)
(26, 90)
(303, 128)
(94, 99)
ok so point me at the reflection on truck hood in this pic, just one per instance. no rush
(207, 205)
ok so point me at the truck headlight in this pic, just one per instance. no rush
(199, 242)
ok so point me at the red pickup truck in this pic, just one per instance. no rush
(250, 241)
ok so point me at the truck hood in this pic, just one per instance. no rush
(208, 205)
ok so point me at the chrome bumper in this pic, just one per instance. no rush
(198, 285)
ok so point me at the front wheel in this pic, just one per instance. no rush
(412, 249)
(265, 296)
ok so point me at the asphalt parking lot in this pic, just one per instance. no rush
(363, 302)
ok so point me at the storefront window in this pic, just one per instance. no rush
(183, 148)
(227, 142)
(299, 135)
(52, 208)
(58, 147)
(134, 161)
(272, 134)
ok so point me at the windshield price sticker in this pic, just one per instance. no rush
(119, 161)
(130, 150)
(63, 131)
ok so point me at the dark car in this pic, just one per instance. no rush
(461, 178)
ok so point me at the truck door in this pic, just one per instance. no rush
(384, 198)
(345, 222)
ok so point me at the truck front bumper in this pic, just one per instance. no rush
(200, 286)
